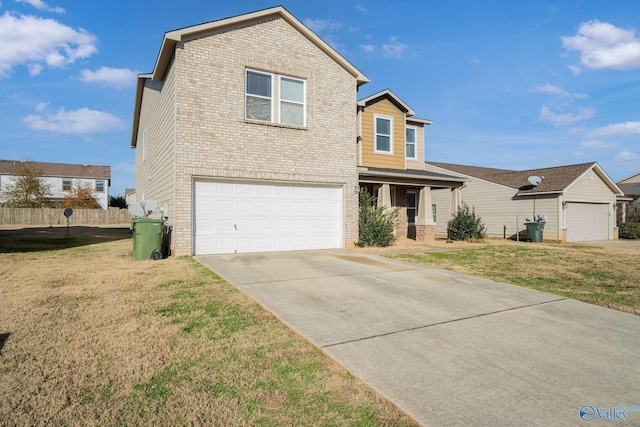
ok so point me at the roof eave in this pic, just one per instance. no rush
(137, 107)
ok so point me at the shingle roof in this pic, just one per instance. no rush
(631, 189)
(65, 170)
(556, 179)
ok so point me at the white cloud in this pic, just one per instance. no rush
(40, 5)
(368, 47)
(575, 70)
(627, 156)
(317, 25)
(41, 106)
(394, 49)
(626, 128)
(37, 42)
(565, 119)
(598, 145)
(78, 122)
(602, 45)
(125, 167)
(555, 90)
(360, 8)
(115, 77)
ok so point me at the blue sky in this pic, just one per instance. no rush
(508, 84)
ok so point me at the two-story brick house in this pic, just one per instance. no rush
(246, 130)
(391, 164)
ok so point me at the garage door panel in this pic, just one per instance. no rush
(248, 217)
(587, 221)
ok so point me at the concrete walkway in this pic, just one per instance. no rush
(447, 348)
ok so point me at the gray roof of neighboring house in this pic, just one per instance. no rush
(63, 170)
(631, 189)
(556, 179)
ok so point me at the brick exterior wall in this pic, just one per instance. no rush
(213, 139)
(425, 233)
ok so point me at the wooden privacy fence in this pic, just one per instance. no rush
(47, 216)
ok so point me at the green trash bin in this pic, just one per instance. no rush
(147, 238)
(534, 230)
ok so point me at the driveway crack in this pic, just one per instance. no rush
(415, 328)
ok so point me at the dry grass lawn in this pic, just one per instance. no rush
(88, 336)
(604, 275)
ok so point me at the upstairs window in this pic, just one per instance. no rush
(66, 184)
(383, 134)
(274, 99)
(99, 186)
(259, 102)
(410, 143)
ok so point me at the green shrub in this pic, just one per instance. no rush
(377, 223)
(629, 230)
(466, 225)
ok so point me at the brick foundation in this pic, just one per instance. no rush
(425, 233)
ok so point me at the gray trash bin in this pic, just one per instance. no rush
(535, 230)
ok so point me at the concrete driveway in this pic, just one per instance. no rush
(447, 348)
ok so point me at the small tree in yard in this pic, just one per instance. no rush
(29, 188)
(377, 223)
(466, 225)
(117, 202)
(80, 197)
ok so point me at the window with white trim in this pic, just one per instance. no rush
(410, 142)
(100, 186)
(66, 184)
(274, 98)
(383, 131)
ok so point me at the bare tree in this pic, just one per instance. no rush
(80, 197)
(28, 189)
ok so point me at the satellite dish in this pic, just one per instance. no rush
(149, 206)
(136, 210)
(534, 180)
(68, 212)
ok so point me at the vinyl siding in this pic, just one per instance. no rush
(418, 163)
(631, 180)
(594, 189)
(369, 157)
(155, 175)
(497, 207)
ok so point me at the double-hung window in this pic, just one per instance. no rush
(383, 134)
(66, 184)
(274, 98)
(410, 143)
(100, 186)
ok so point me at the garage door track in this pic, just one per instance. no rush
(451, 349)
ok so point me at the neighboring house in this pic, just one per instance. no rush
(246, 130)
(578, 200)
(391, 165)
(63, 177)
(130, 195)
(631, 186)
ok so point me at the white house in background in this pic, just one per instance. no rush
(63, 177)
(578, 200)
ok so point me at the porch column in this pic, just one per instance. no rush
(454, 202)
(425, 227)
(384, 195)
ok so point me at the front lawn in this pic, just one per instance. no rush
(606, 276)
(88, 336)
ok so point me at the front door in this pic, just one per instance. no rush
(412, 204)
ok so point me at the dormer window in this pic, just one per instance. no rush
(384, 134)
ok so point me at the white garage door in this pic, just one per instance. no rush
(587, 221)
(239, 217)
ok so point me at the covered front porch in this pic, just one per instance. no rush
(410, 190)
